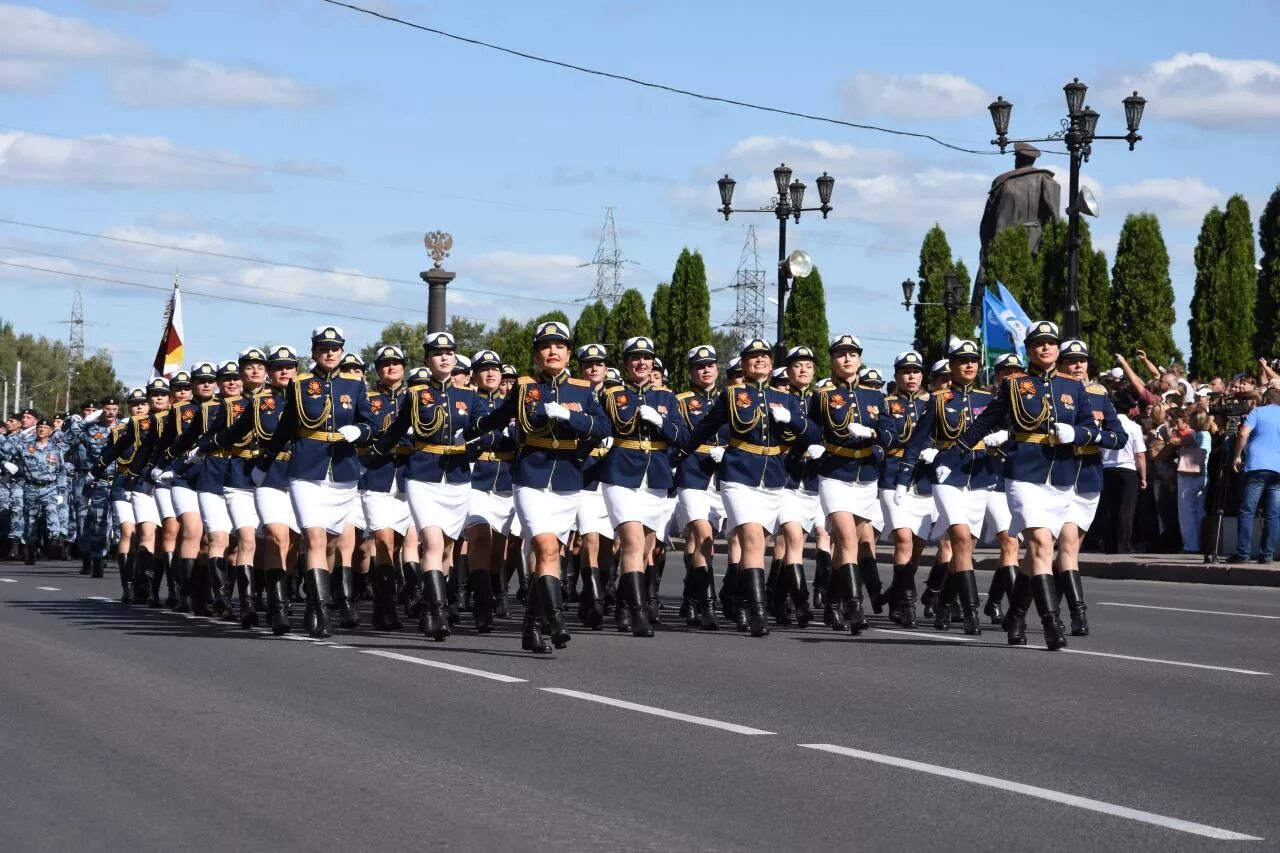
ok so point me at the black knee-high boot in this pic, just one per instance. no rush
(967, 590)
(198, 588)
(821, 577)
(552, 610)
(499, 581)
(776, 594)
(452, 611)
(531, 639)
(483, 603)
(1015, 621)
(344, 597)
(169, 565)
(686, 611)
(218, 583)
(869, 572)
(851, 594)
(632, 591)
(946, 598)
(799, 590)
(755, 602)
(933, 586)
(1072, 589)
(318, 600)
(412, 591)
(183, 570)
(653, 604)
(703, 615)
(903, 609)
(591, 601)
(1043, 589)
(434, 621)
(244, 582)
(259, 588)
(143, 566)
(833, 611)
(1001, 585)
(729, 591)
(277, 596)
(569, 583)
(462, 587)
(124, 562)
(385, 615)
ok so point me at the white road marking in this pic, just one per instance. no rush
(1187, 610)
(657, 712)
(7, 580)
(465, 670)
(48, 588)
(952, 638)
(100, 598)
(1041, 793)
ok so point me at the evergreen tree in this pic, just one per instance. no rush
(1095, 319)
(1267, 311)
(1226, 292)
(592, 318)
(44, 373)
(805, 320)
(627, 319)
(1092, 283)
(407, 336)
(660, 318)
(1140, 312)
(689, 313)
(931, 320)
(512, 340)
(961, 324)
(1009, 262)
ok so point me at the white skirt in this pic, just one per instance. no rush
(274, 507)
(647, 506)
(213, 512)
(961, 506)
(593, 515)
(699, 505)
(185, 500)
(543, 511)
(384, 510)
(442, 505)
(124, 511)
(1082, 509)
(1037, 505)
(355, 512)
(242, 508)
(164, 502)
(751, 505)
(861, 499)
(917, 513)
(145, 510)
(491, 509)
(800, 507)
(998, 515)
(323, 503)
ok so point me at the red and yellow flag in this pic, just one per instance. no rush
(169, 354)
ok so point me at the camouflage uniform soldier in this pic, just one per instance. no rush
(86, 438)
(44, 484)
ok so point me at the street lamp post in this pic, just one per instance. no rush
(787, 204)
(1078, 133)
(952, 300)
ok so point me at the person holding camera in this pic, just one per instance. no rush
(1257, 456)
(1190, 434)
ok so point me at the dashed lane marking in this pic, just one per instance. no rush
(1073, 800)
(657, 712)
(7, 580)
(49, 588)
(451, 667)
(1187, 610)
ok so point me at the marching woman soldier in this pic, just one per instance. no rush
(911, 520)
(491, 508)
(636, 475)
(553, 414)
(1039, 418)
(594, 531)
(126, 438)
(1073, 361)
(699, 508)
(999, 517)
(851, 421)
(257, 422)
(170, 526)
(324, 415)
(752, 473)
(438, 474)
(963, 478)
(801, 509)
(386, 510)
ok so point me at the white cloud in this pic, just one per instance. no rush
(307, 283)
(1207, 90)
(1181, 200)
(196, 82)
(913, 96)
(34, 33)
(25, 75)
(529, 273)
(101, 161)
(144, 7)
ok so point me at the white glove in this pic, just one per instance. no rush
(194, 455)
(997, 438)
(458, 437)
(899, 495)
(258, 476)
(607, 444)
(1066, 432)
(350, 433)
(716, 454)
(780, 414)
(11, 468)
(861, 431)
(814, 451)
(650, 415)
(556, 412)
(942, 472)
(58, 500)
(93, 416)
(154, 474)
(164, 478)
(510, 431)
(928, 455)
(409, 432)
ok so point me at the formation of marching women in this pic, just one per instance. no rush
(255, 485)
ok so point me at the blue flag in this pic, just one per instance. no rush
(995, 333)
(1015, 319)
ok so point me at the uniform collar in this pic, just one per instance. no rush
(322, 374)
(799, 392)
(440, 384)
(647, 386)
(850, 384)
(962, 389)
(758, 384)
(399, 386)
(706, 393)
(559, 379)
(1047, 373)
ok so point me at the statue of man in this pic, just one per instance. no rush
(1024, 196)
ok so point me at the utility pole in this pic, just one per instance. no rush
(750, 288)
(608, 263)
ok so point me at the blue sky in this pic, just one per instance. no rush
(316, 136)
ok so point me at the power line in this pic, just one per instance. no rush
(651, 85)
(268, 262)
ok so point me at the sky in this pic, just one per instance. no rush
(298, 132)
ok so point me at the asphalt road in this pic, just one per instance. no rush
(123, 728)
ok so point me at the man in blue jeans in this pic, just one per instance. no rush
(1258, 456)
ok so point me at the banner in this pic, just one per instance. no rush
(997, 338)
(169, 354)
(1015, 319)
